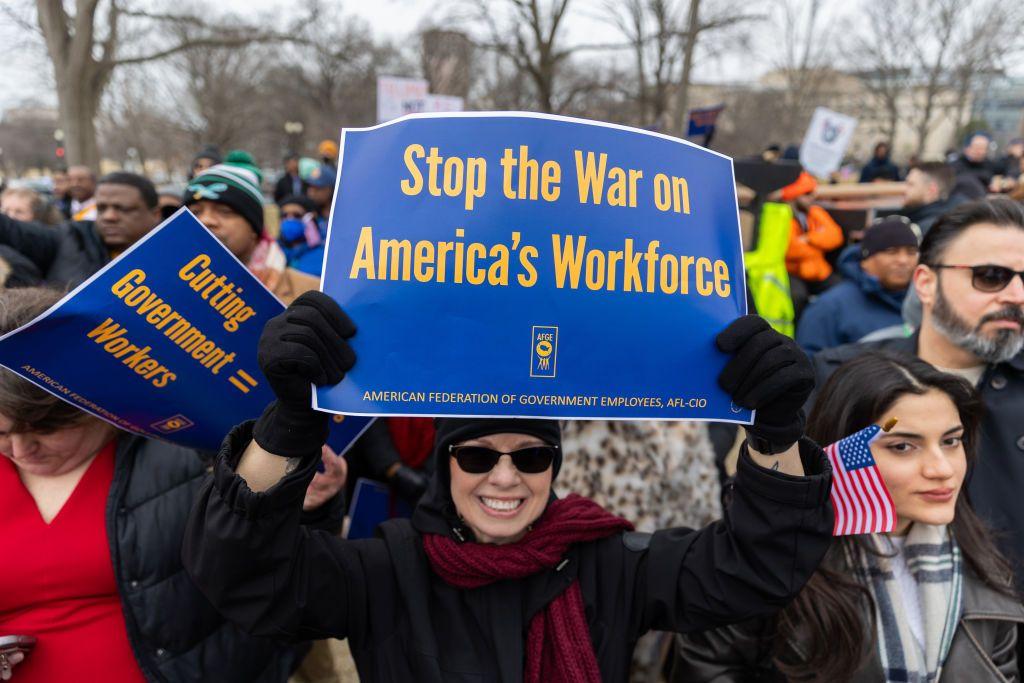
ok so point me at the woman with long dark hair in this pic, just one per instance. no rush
(934, 597)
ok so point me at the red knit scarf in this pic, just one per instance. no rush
(558, 647)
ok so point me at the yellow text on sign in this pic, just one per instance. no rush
(451, 176)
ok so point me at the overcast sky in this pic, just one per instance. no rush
(24, 70)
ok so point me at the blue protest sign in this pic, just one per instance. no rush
(161, 341)
(345, 429)
(532, 265)
(373, 503)
(701, 123)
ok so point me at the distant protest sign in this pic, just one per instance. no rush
(160, 342)
(700, 124)
(826, 141)
(397, 96)
(533, 265)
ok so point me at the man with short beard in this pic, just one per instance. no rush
(970, 280)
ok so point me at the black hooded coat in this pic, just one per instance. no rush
(263, 570)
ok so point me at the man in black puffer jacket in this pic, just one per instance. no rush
(174, 632)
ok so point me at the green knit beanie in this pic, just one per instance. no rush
(235, 182)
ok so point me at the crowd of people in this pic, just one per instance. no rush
(538, 550)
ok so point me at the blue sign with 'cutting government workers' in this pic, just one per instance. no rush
(162, 341)
(507, 264)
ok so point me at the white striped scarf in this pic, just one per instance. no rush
(933, 558)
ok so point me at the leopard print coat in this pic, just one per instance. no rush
(655, 474)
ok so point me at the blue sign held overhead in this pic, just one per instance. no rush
(507, 264)
(160, 342)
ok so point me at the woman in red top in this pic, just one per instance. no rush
(92, 520)
(53, 495)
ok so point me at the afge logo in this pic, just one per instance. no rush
(172, 424)
(544, 351)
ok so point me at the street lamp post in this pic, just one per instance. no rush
(293, 129)
(58, 136)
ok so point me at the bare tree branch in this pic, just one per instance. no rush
(197, 43)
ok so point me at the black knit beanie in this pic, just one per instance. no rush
(452, 430)
(887, 233)
(209, 152)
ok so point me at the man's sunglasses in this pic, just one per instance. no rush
(479, 460)
(987, 277)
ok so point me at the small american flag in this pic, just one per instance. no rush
(861, 502)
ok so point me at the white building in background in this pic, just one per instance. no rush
(34, 114)
(847, 93)
(1000, 107)
(853, 94)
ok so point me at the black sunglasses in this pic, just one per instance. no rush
(479, 460)
(988, 277)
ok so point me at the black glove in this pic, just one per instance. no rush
(303, 345)
(411, 484)
(769, 373)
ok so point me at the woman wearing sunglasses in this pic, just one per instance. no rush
(933, 600)
(494, 578)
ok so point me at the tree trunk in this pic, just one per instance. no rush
(642, 94)
(924, 124)
(544, 80)
(892, 123)
(77, 104)
(683, 95)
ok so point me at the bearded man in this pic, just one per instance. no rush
(970, 280)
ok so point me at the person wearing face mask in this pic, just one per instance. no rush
(970, 282)
(302, 235)
(932, 598)
(494, 578)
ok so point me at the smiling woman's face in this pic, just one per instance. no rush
(922, 459)
(501, 504)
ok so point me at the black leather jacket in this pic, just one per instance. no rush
(983, 648)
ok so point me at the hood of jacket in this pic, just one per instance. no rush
(849, 267)
(435, 512)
